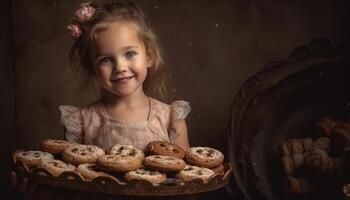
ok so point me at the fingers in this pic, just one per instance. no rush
(13, 179)
(24, 185)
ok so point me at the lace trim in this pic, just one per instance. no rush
(71, 119)
(74, 137)
(179, 110)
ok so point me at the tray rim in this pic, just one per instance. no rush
(74, 181)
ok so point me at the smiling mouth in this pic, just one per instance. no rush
(122, 80)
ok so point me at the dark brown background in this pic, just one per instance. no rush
(211, 47)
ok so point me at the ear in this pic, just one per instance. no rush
(150, 58)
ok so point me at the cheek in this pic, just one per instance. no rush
(102, 72)
(144, 73)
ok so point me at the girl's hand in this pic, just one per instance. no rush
(30, 190)
(22, 185)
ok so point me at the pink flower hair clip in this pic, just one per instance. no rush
(82, 15)
(74, 30)
(84, 12)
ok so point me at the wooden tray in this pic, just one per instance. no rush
(171, 187)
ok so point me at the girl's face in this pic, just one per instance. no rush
(120, 59)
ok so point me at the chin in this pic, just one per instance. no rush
(122, 93)
(125, 92)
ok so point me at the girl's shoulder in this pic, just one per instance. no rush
(69, 110)
(173, 104)
(155, 103)
(178, 109)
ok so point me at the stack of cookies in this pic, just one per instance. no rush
(161, 161)
(308, 163)
(195, 163)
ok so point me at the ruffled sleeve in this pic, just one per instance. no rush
(178, 110)
(71, 119)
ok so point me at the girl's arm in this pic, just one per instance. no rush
(72, 120)
(181, 138)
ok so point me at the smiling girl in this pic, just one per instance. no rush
(116, 45)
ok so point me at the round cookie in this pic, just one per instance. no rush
(317, 162)
(292, 146)
(194, 172)
(126, 150)
(119, 163)
(204, 157)
(55, 146)
(323, 143)
(81, 153)
(153, 177)
(31, 158)
(56, 167)
(164, 163)
(165, 148)
(89, 172)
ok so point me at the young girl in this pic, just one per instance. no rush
(116, 45)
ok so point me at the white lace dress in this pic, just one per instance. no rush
(92, 125)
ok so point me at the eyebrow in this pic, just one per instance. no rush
(128, 47)
(99, 54)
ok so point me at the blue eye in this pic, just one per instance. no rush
(130, 54)
(105, 61)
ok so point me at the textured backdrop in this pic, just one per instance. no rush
(210, 46)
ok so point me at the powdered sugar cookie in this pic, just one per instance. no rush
(165, 148)
(55, 146)
(126, 150)
(31, 158)
(153, 177)
(55, 167)
(89, 172)
(194, 172)
(81, 153)
(119, 163)
(204, 157)
(164, 163)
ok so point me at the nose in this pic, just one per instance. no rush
(120, 66)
